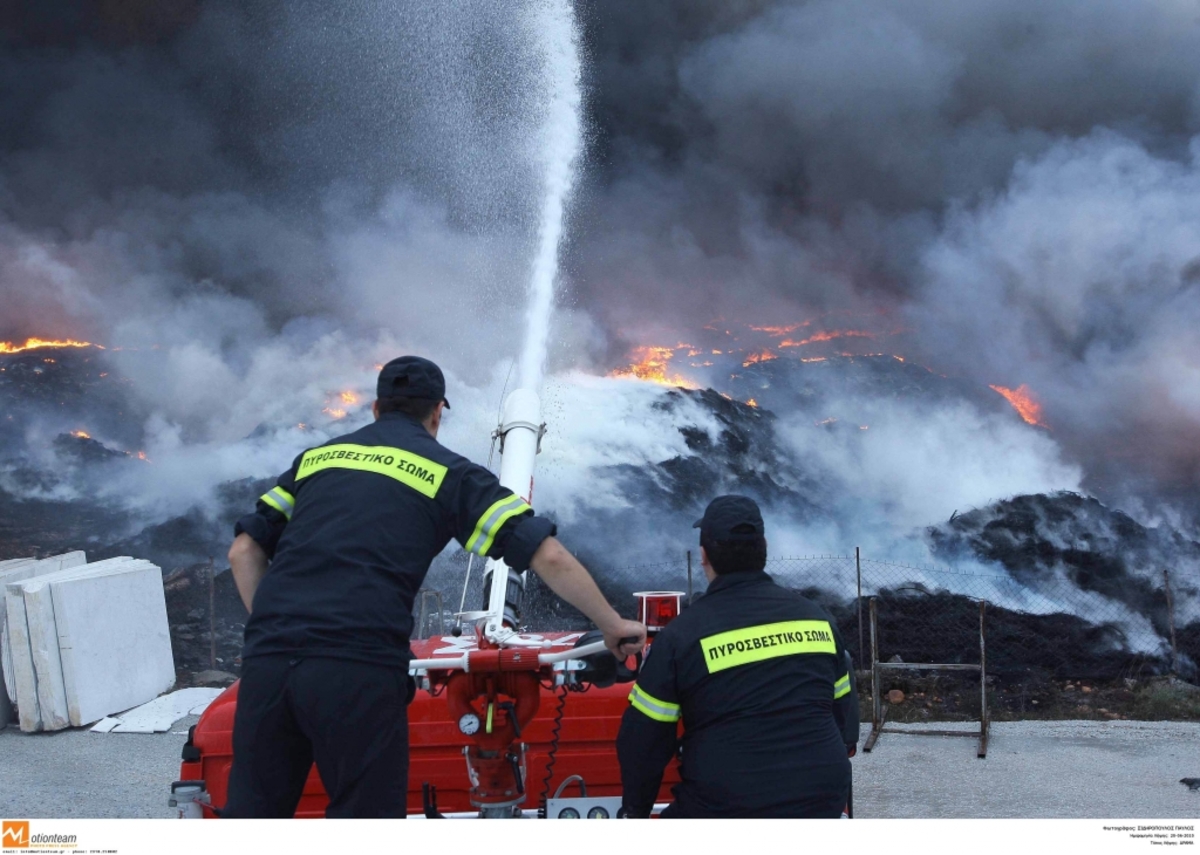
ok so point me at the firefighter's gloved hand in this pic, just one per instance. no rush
(625, 638)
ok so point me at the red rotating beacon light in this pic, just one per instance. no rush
(656, 609)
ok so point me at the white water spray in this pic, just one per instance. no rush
(558, 145)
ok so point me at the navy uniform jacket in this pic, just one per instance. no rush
(759, 677)
(352, 528)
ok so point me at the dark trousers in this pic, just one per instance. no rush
(818, 792)
(349, 717)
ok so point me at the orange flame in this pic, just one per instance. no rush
(1024, 403)
(141, 455)
(349, 398)
(761, 356)
(32, 343)
(337, 412)
(79, 434)
(778, 332)
(752, 403)
(652, 364)
(827, 335)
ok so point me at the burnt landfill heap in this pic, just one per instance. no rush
(1076, 590)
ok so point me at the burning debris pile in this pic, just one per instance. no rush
(814, 386)
(1048, 563)
(49, 385)
(743, 457)
(1137, 587)
(56, 398)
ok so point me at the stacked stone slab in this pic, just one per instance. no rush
(88, 641)
(15, 570)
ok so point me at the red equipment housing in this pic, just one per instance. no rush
(525, 712)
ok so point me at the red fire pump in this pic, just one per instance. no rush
(490, 726)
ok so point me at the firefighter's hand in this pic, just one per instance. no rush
(625, 638)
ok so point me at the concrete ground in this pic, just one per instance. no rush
(1033, 769)
(79, 774)
(1120, 769)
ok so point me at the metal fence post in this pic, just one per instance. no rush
(212, 615)
(689, 565)
(1171, 620)
(876, 704)
(984, 723)
(858, 573)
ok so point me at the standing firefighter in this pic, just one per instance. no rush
(760, 679)
(350, 531)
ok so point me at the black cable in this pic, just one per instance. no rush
(550, 757)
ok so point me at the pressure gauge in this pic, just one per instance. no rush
(568, 813)
(469, 724)
(597, 813)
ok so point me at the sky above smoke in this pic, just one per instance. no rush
(281, 194)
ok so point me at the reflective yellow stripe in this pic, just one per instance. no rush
(768, 641)
(492, 520)
(842, 687)
(646, 703)
(280, 499)
(409, 469)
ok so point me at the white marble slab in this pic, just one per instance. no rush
(158, 715)
(114, 642)
(15, 571)
(37, 671)
(43, 633)
(29, 713)
(11, 570)
(8, 688)
(6, 708)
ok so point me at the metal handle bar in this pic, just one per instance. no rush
(459, 663)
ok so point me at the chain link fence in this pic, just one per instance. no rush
(1049, 626)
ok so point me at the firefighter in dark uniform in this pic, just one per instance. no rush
(759, 677)
(349, 532)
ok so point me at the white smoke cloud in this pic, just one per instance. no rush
(1082, 281)
(912, 464)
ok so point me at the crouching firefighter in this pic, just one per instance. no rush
(759, 677)
(350, 531)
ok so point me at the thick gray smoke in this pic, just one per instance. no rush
(209, 179)
(281, 194)
(1013, 180)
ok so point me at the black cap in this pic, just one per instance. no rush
(411, 377)
(730, 518)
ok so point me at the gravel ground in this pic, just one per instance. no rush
(1122, 769)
